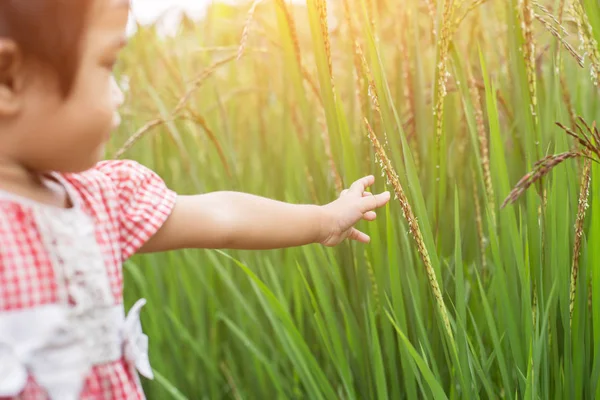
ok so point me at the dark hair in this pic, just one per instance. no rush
(47, 31)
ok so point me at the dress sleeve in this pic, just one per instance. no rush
(144, 202)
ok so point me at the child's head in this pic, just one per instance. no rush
(58, 100)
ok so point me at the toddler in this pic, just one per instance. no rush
(68, 221)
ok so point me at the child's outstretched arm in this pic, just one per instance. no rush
(232, 220)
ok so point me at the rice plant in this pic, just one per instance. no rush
(481, 279)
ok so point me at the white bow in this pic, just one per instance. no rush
(46, 343)
(136, 342)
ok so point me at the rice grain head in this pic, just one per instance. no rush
(372, 89)
(550, 28)
(483, 142)
(541, 169)
(133, 139)
(443, 72)
(431, 6)
(581, 210)
(527, 16)
(247, 26)
(415, 230)
(322, 7)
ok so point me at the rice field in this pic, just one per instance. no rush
(482, 278)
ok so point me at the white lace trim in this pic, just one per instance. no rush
(70, 239)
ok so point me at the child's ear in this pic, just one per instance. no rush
(10, 80)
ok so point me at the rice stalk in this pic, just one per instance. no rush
(483, 142)
(534, 304)
(541, 169)
(234, 391)
(291, 24)
(459, 4)
(322, 8)
(566, 95)
(590, 296)
(431, 6)
(443, 72)
(138, 135)
(372, 89)
(472, 6)
(548, 14)
(359, 75)
(479, 224)
(586, 38)
(588, 138)
(197, 82)
(561, 11)
(312, 85)
(452, 87)
(581, 210)
(246, 30)
(550, 28)
(314, 89)
(415, 230)
(311, 185)
(527, 16)
(335, 175)
(374, 285)
(371, 13)
(294, 111)
(407, 79)
(213, 138)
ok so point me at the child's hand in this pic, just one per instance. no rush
(353, 205)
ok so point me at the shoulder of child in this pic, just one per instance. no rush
(132, 194)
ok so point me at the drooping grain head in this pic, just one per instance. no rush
(587, 40)
(560, 36)
(542, 168)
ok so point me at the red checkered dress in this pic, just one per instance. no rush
(127, 203)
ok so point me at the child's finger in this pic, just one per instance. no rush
(370, 203)
(360, 185)
(359, 236)
(370, 216)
